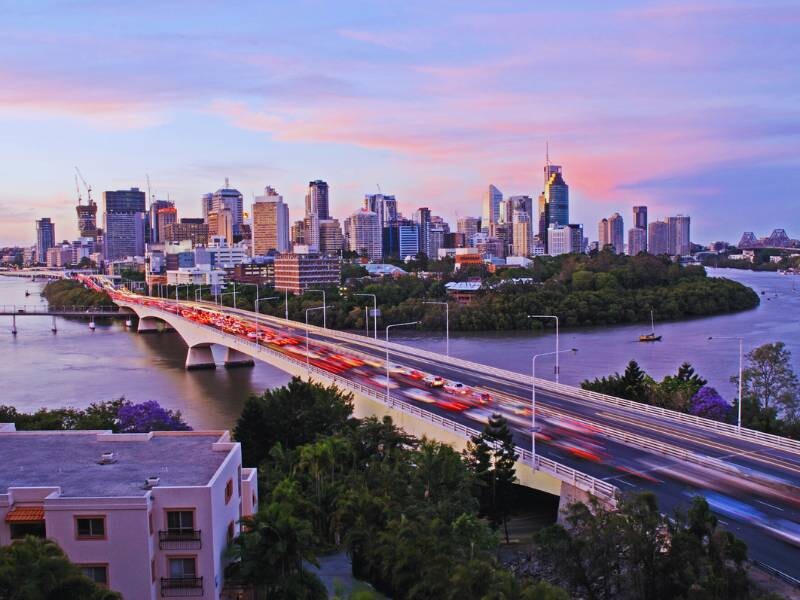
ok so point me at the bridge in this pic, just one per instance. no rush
(590, 444)
(45, 310)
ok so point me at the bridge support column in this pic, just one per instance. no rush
(147, 325)
(54, 329)
(13, 324)
(570, 495)
(234, 358)
(200, 357)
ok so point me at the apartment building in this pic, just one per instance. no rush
(298, 272)
(148, 515)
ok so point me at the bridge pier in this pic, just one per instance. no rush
(13, 324)
(570, 495)
(234, 358)
(147, 325)
(200, 357)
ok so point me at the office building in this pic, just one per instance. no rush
(87, 219)
(317, 199)
(556, 195)
(147, 515)
(331, 240)
(153, 226)
(469, 226)
(455, 240)
(297, 233)
(658, 237)
(383, 206)
(59, 256)
(221, 223)
(262, 273)
(230, 199)
(506, 213)
(640, 217)
(422, 217)
(543, 219)
(637, 241)
(565, 239)
(679, 236)
(45, 238)
(577, 239)
(401, 239)
(164, 217)
(125, 223)
(616, 233)
(491, 207)
(193, 229)
(219, 254)
(207, 204)
(435, 241)
(366, 234)
(270, 228)
(522, 238)
(299, 272)
(311, 231)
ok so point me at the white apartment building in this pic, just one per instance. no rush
(148, 515)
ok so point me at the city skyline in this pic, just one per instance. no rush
(685, 138)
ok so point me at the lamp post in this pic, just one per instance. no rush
(533, 398)
(308, 366)
(447, 323)
(741, 361)
(374, 313)
(557, 367)
(259, 300)
(387, 351)
(324, 312)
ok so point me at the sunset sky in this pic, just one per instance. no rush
(689, 107)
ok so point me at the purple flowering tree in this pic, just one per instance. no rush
(709, 404)
(149, 416)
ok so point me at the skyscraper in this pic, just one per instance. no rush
(153, 221)
(616, 233)
(317, 199)
(383, 206)
(87, 218)
(679, 236)
(603, 235)
(640, 217)
(469, 227)
(366, 234)
(330, 237)
(491, 207)
(556, 194)
(658, 237)
(125, 219)
(422, 217)
(45, 238)
(637, 241)
(231, 199)
(207, 202)
(521, 236)
(270, 230)
(220, 223)
(564, 239)
(164, 217)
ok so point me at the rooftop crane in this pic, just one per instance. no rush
(78, 188)
(86, 185)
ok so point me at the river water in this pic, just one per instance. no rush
(77, 366)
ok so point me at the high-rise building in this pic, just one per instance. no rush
(616, 233)
(401, 239)
(220, 223)
(366, 234)
(125, 220)
(564, 239)
(87, 218)
(270, 228)
(577, 241)
(383, 206)
(637, 241)
(543, 219)
(154, 226)
(679, 236)
(298, 235)
(640, 217)
(556, 195)
(45, 238)
(317, 199)
(192, 229)
(491, 207)
(207, 203)
(435, 241)
(506, 211)
(422, 217)
(330, 237)
(522, 238)
(658, 237)
(299, 272)
(164, 217)
(469, 226)
(231, 199)
(603, 236)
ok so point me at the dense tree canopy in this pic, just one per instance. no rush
(68, 292)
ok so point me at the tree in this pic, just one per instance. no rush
(709, 404)
(149, 416)
(769, 387)
(633, 384)
(293, 415)
(37, 569)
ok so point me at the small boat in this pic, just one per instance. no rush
(650, 337)
(27, 293)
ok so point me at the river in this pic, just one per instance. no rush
(77, 366)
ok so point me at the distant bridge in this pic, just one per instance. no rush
(45, 310)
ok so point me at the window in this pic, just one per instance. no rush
(182, 567)
(228, 491)
(180, 520)
(97, 573)
(21, 530)
(90, 527)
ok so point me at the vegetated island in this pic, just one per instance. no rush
(68, 292)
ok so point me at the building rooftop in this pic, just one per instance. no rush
(71, 460)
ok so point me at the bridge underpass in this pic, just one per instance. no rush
(671, 457)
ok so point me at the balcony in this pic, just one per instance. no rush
(179, 539)
(181, 587)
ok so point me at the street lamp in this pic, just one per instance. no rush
(533, 398)
(741, 355)
(324, 312)
(308, 367)
(557, 367)
(259, 300)
(374, 313)
(387, 351)
(447, 322)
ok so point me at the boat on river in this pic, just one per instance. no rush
(650, 337)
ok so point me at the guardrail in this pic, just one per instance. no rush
(776, 573)
(45, 309)
(597, 487)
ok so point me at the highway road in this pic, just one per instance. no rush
(754, 487)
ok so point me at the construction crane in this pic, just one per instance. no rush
(87, 186)
(149, 195)
(78, 189)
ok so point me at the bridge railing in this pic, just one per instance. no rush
(567, 391)
(33, 309)
(597, 487)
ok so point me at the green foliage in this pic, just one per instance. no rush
(68, 292)
(638, 553)
(37, 569)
